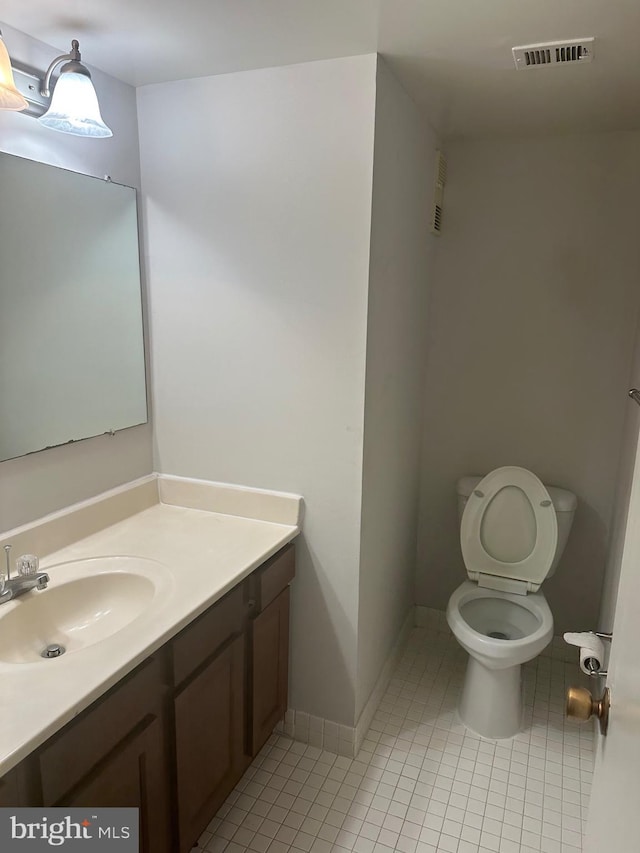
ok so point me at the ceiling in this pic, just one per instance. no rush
(453, 56)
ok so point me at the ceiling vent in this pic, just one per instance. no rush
(440, 181)
(570, 52)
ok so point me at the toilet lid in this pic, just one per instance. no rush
(509, 531)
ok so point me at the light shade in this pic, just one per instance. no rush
(10, 98)
(74, 107)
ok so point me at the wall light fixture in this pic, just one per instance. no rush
(10, 97)
(73, 107)
(74, 104)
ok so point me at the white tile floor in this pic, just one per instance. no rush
(422, 783)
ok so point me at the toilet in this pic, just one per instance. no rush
(513, 531)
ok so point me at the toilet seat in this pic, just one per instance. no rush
(509, 531)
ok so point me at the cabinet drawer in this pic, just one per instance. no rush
(201, 639)
(69, 756)
(273, 576)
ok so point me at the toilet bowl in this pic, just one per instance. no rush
(500, 631)
(512, 533)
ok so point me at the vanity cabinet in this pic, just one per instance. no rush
(115, 754)
(135, 774)
(270, 674)
(174, 736)
(269, 644)
(209, 663)
(233, 661)
(10, 790)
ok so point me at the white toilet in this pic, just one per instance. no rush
(513, 532)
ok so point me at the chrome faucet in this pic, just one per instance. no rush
(28, 577)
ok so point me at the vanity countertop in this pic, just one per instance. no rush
(206, 554)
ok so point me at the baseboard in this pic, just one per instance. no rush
(318, 732)
(369, 710)
(334, 737)
(347, 740)
(429, 617)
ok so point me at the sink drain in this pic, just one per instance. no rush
(53, 651)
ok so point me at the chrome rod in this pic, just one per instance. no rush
(603, 635)
(635, 395)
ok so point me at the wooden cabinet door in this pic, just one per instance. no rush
(209, 724)
(269, 669)
(71, 756)
(10, 790)
(135, 775)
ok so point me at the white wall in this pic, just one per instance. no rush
(257, 190)
(43, 482)
(401, 251)
(531, 336)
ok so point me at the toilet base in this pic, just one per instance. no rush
(491, 701)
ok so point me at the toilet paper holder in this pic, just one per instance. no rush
(592, 665)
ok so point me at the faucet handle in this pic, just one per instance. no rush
(27, 564)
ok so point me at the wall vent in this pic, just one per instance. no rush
(438, 195)
(569, 52)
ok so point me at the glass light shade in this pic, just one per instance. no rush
(10, 98)
(74, 107)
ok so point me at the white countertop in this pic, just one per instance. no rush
(206, 554)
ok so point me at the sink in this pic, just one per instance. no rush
(87, 601)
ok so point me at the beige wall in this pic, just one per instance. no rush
(43, 482)
(399, 279)
(531, 334)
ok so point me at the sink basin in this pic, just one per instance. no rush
(87, 601)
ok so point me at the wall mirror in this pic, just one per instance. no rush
(71, 339)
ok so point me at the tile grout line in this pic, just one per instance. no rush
(421, 782)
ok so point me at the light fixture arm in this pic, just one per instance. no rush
(73, 64)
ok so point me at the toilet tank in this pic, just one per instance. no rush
(564, 503)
